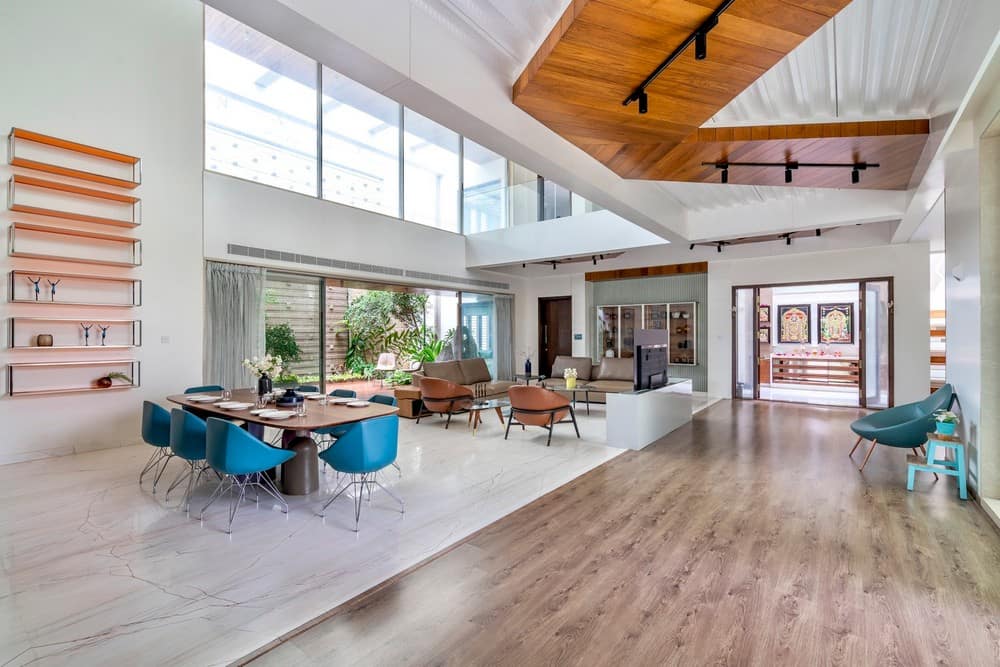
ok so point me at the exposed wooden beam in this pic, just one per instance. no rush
(647, 272)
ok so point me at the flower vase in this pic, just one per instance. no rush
(571, 383)
(264, 385)
(946, 428)
(527, 366)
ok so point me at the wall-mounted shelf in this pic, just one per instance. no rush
(69, 334)
(67, 377)
(18, 137)
(130, 249)
(75, 289)
(72, 194)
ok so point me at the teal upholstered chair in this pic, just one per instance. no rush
(204, 389)
(343, 393)
(904, 426)
(187, 442)
(156, 433)
(366, 447)
(307, 389)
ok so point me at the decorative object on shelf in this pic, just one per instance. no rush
(43, 340)
(104, 333)
(52, 288)
(86, 333)
(570, 375)
(264, 368)
(794, 324)
(108, 380)
(763, 314)
(945, 422)
(36, 282)
(836, 323)
(764, 334)
(527, 366)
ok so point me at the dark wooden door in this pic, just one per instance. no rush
(555, 331)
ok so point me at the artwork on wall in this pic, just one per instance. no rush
(763, 314)
(793, 324)
(764, 334)
(836, 323)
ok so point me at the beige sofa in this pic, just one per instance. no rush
(471, 373)
(610, 376)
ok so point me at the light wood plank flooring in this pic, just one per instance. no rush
(746, 538)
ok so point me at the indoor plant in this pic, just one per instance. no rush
(946, 422)
(265, 368)
(570, 376)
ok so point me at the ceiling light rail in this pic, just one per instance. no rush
(700, 40)
(855, 167)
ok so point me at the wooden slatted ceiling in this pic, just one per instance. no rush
(600, 50)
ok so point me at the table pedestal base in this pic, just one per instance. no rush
(300, 475)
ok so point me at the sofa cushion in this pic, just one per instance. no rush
(610, 386)
(616, 369)
(581, 364)
(445, 370)
(474, 371)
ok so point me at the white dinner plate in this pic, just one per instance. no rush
(310, 394)
(234, 406)
(203, 399)
(358, 404)
(341, 400)
(313, 397)
(277, 415)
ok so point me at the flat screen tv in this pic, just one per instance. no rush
(651, 366)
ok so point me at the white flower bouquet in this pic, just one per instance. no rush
(268, 365)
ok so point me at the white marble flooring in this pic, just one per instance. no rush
(96, 571)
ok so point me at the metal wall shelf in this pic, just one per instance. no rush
(134, 244)
(17, 182)
(134, 283)
(16, 369)
(99, 154)
(61, 326)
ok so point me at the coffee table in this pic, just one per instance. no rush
(476, 411)
(528, 378)
(586, 394)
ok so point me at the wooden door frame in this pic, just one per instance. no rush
(542, 302)
(861, 351)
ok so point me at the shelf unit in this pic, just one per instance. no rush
(98, 155)
(134, 245)
(815, 371)
(17, 182)
(616, 326)
(135, 286)
(60, 330)
(81, 385)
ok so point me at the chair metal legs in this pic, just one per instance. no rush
(237, 486)
(192, 473)
(361, 482)
(157, 462)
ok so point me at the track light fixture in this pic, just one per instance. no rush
(554, 264)
(691, 247)
(594, 259)
(855, 167)
(700, 40)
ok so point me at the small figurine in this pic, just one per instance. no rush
(52, 285)
(35, 282)
(86, 333)
(104, 332)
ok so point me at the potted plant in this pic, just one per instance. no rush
(108, 380)
(264, 369)
(570, 376)
(946, 422)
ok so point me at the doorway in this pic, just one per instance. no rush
(555, 331)
(825, 343)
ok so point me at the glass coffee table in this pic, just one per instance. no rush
(476, 411)
(580, 389)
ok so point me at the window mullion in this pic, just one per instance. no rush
(319, 130)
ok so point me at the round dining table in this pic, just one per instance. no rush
(296, 430)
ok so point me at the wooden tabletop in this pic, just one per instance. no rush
(942, 437)
(317, 416)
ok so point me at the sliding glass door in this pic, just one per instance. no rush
(745, 343)
(479, 328)
(293, 325)
(876, 343)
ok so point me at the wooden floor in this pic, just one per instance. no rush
(747, 538)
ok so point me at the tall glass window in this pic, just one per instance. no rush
(430, 172)
(484, 189)
(360, 145)
(293, 325)
(479, 329)
(260, 107)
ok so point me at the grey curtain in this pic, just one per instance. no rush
(234, 322)
(504, 304)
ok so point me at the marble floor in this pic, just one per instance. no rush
(96, 571)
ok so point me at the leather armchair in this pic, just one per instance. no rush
(537, 406)
(443, 398)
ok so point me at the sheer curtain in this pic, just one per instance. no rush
(234, 322)
(504, 304)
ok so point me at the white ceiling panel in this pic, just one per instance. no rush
(709, 196)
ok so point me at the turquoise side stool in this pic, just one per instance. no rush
(943, 465)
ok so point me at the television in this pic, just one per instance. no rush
(651, 363)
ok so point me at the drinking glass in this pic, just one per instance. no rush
(300, 408)
(226, 394)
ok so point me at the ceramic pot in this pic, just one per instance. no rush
(43, 340)
(104, 382)
(946, 428)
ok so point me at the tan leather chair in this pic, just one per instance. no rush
(537, 406)
(441, 397)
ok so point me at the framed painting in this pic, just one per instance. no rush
(763, 314)
(764, 334)
(836, 323)
(794, 324)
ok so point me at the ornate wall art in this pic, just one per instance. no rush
(836, 323)
(794, 324)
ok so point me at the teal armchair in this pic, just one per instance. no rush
(903, 426)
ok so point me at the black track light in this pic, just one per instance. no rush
(700, 46)
(855, 176)
(524, 266)
(725, 175)
(819, 232)
(595, 259)
(691, 247)
(643, 102)
(718, 248)
(788, 239)
(553, 266)
(788, 175)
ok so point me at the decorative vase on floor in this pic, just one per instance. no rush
(946, 428)
(264, 385)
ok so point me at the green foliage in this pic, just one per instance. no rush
(378, 322)
(279, 341)
(425, 347)
(399, 377)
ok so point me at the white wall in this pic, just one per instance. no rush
(124, 75)
(906, 263)
(526, 314)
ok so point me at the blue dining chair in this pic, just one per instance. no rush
(329, 434)
(242, 461)
(187, 442)
(343, 393)
(204, 389)
(367, 447)
(385, 399)
(307, 389)
(156, 432)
